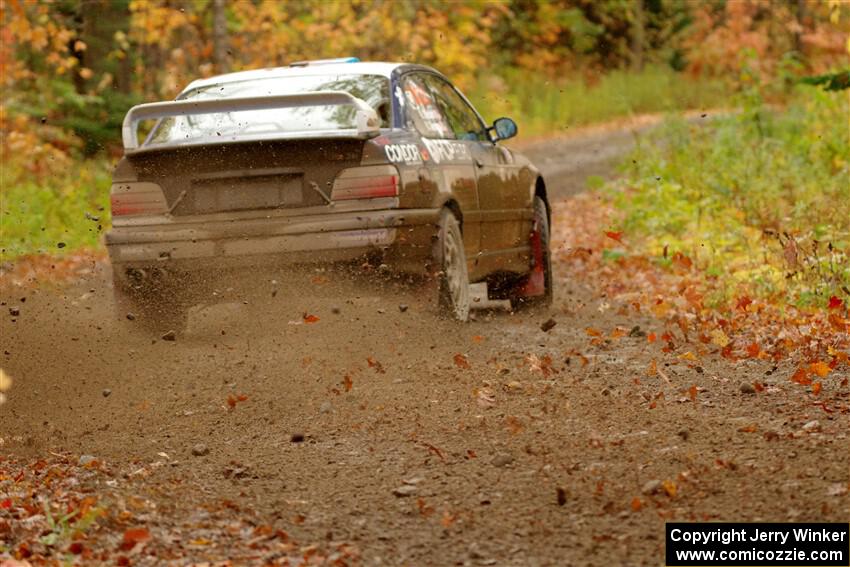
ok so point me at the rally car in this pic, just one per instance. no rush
(326, 161)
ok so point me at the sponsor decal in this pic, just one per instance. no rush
(403, 153)
(422, 104)
(447, 150)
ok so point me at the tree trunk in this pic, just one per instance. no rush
(638, 36)
(220, 57)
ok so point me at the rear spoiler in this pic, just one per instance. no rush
(366, 118)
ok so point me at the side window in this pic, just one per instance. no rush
(421, 109)
(463, 121)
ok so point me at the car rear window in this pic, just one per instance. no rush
(373, 89)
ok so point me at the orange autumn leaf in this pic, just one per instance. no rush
(670, 488)
(682, 260)
(134, 536)
(310, 318)
(424, 509)
(379, 368)
(752, 428)
(347, 383)
(617, 333)
(478, 339)
(816, 388)
(801, 377)
(820, 368)
(618, 236)
(448, 519)
(232, 399)
(692, 392)
(593, 332)
(461, 362)
(653, 368)
(637, 504)
(753, 350)
(651, 337)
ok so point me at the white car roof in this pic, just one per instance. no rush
(318, 69)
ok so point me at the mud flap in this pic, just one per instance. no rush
(535, 283)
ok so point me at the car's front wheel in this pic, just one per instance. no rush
(453, 277)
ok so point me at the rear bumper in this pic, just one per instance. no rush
(400, 233)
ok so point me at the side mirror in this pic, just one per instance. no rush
(505, 128)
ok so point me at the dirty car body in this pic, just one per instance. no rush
(315, 162)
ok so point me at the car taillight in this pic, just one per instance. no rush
(366, 182)
(137, 198)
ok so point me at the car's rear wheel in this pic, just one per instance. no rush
(536, 288)
(148, 310)
(453, 277)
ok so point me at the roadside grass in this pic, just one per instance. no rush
(541, 106)
(758, 200)
(57, 214)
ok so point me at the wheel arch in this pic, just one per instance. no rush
(454, 207)
(540, 191)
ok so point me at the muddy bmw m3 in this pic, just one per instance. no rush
(324, 161)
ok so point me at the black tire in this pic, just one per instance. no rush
(453, 276)
(540, 223)
(149, 312)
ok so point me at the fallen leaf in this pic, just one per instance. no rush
(816, 388)
(134, 536)
(379, 368)
(485, 397)
(617, 333)
(801, 377)
(719, 338)
(682, 260)
(753, 350)
(752, 428)
(461, 362)
(835, 303)
(478, 339)
(232, 400)
(637, 504)
(650, 337)
(309, 318)
(347, 383)
(670, 488)
(514, 424)
(593, 332)
(424, 509)
(692, 392)
(448, 519)
(614, 235)
(653, 368)
(820, 368)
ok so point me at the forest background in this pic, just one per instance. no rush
(71, 70)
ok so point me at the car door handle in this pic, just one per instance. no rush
(478, 163)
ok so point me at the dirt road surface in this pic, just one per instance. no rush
(381, 435)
